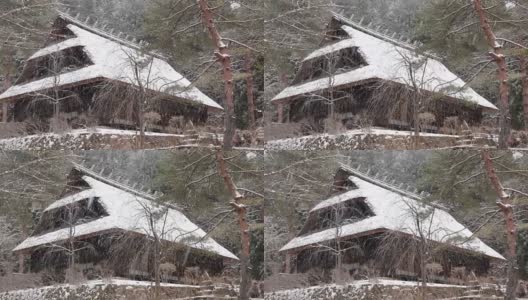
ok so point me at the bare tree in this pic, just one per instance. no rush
(57, 64)
(157, 233)
(420, 250)
(72, 246)
(339, 216)
(22, 27)
(411, 103)
(328, 66)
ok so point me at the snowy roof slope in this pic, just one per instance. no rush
(388, 61)
(393, 212)
(126, 213)
(114, 61)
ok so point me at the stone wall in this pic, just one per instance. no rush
(99, 290)
(96, 141)
(370, 290)
(364, 141)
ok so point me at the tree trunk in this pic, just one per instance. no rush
(157, 269)
(250, 94)
(141, 121)
(140, 107)
(505, 205)
(224, 58)
(423, 271)
(524, 79)
(245, 281)
(416, 122)
(156, 259)
(7, 84)
(241, 211)
(415, 104)
(339, 267)
(502, 75)
(56, 109)
(250, 98)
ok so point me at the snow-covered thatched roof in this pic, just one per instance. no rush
(126, 211)
(387, 59)
(113, 59)
(393, 210)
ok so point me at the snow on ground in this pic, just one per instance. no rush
(103, 130)
(383, 281)
(517, 155)
(129, 282)
(384, 131)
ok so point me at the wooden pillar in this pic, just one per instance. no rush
(446, 265)
(21, 259)
(288, 112)
(280, 112)
(4, 112)
(288, 263)
(294, 263)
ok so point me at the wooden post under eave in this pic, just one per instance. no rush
(21, 259)
(4, 112)
(294, 263)
(288, 265)
(280, 112)
(288, 112)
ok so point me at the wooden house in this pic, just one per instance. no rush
(373, 228)
(87, 74)
(103, 224)
(361, 76)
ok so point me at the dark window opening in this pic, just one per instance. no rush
(342, 182)
(59, 35)
(80, 212)
(55, 64)
(335, 35)
(339, 62)
(76, 184)
(344, 213)
(60, 32)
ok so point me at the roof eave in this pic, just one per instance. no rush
(378, 230)
(29, 249)
(102, 78)
(281, 100)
